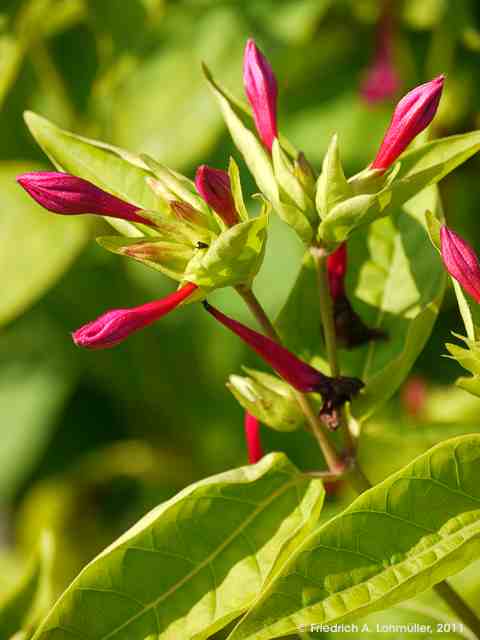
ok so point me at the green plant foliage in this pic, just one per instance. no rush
(36, 247)
(418, 527)
(268, 398)
(163, 578)
(22, 608)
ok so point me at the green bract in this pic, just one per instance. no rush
(268, 398)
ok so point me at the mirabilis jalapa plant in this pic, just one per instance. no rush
(247, 545)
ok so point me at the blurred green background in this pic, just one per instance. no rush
(91, 440)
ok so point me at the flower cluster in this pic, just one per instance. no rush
(202, 235)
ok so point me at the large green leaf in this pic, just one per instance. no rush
(395, 541)
(194, 563)
(398, 288)
(30, 599)
(110, 168)
(37, 247)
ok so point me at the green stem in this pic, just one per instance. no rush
(333, 460)
(458, 606)
(326, 309)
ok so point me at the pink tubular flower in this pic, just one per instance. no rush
(412, 115)
(337, 270)
(252, 436)
(214, 187)
(261, 89)
(382, 81)
(113, 327)
(460, 261)
(299, 374)
(69, 195)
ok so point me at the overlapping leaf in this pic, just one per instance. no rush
(395, 541)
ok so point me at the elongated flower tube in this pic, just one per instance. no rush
(113, 327)
(337, 270)
(350, 329)
(412, 115)
(262, 92)
(252, 436)
(382, 81)
(461, 261)
(214, 187)
(299, 374)
(69, 195)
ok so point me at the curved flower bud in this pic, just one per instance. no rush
(113, 327)
(252, 436)
(261, 89)
(69, 195)
(299, 374)
(214, 187)
(460, 261)
(412, 115)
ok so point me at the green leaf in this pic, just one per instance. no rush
(11, 57)
(233, 258)
(110, 168)
(49, 244)
(397, 287)
(171, 258)
(332, 186)
(194, 563)
(429, 163)
(416, 528)
(28, 602)
(268, 398)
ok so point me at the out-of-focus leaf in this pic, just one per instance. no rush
(418, 527)
(110, 168)
(11, 55)
(37, 247)
(29, 601)
(268, 398)
(164, 107)
(173, 574)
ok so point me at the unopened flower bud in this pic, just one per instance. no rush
(337, 270)
(113, 327)
(214, 187)
(69, 195)
(252, 436)
(412, 115)
(382, 81)
(460, 261)
(261, 89)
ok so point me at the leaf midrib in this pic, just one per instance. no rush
(462, 532)
(204, 563)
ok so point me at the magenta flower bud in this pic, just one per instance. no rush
(337, 270)
(113, 327)
(261, 89)
(460, 261)
(412, 115)
(214, 187)
(69, 195)
(252, 436)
